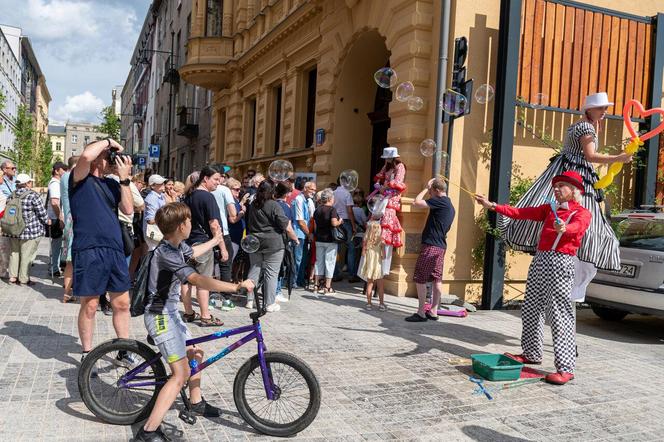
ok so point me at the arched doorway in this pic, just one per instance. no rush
(361, 115)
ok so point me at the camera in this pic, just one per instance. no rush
(113, 154)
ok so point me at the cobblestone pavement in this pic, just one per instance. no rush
(382, 378)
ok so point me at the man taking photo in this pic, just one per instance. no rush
(98, 256)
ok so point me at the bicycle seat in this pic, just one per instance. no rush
(150, 340)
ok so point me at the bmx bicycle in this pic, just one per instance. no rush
(274, 392)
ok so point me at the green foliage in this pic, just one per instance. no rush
(44, 161)
(24, 141)
(110, 124)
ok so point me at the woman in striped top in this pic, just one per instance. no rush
(599, 248)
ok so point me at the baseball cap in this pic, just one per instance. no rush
(59, 165)
(156, 179)
(23, 178)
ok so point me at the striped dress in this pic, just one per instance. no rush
(599, 245)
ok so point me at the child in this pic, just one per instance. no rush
(371, 265)
(170, 268)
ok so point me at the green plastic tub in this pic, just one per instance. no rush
(496, 367)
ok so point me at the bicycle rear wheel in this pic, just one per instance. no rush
(98, 382)
(297, 395)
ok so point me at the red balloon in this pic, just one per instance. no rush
(643, 113)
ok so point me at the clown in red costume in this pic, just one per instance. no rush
(551, 273)
(391, 181)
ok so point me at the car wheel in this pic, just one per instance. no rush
(607, 313)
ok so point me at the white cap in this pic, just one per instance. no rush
(599, 99)
(390, 152)
(23, 178)
(156, 179)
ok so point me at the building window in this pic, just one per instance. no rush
(74, 138)
(183, 168)
(58, 146)
(86, 139)
(311, 108)
(277, 92)
(213, 21)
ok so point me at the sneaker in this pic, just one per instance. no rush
(281, 298)
(227, 304)
(273, 308)
(368, 307)
(93, 372)
(204, 409)
(382, 308)
(124, 359)
(151, 436)
(57, 274)
(108, 311)
(249, 304)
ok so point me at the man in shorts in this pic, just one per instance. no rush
(429, 266)
(98, 258)
(169, 268)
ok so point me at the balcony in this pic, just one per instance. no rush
(188, 122)
(208, 62)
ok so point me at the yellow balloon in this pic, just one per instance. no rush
(615, 168)
(604, 181)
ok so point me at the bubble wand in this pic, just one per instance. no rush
(456, 185)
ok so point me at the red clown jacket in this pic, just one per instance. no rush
(574, 215)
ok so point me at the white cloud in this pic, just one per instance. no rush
(61, 19)
(83, 107)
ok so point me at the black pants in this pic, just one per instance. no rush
(225, 267)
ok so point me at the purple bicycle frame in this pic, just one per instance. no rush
(255, 332)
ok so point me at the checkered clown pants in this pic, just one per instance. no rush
(548, 289)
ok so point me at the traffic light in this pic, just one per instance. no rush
(459, 83)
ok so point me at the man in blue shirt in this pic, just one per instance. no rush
(97, 248)
(304, 211)
(154, 201)
(7, 186)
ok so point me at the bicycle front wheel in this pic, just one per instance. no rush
(100, 372)
(297, 395)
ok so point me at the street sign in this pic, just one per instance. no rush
(141, 160)
(320, 137)
(153, 151)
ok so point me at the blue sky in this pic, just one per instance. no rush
(83, 48)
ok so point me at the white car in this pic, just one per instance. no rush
(639, 285)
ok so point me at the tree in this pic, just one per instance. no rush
(44, 160)
(24, 140)
(110, 124)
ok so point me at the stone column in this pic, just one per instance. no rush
(291, 124)
(227, 18)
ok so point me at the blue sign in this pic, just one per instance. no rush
(142, 160)
(153, 151)
(320, 137)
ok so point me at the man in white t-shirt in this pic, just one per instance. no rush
(56, 217)
(222, 194)
(343, 202)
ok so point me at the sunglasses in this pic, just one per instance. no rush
(11, 168)
(235, 188)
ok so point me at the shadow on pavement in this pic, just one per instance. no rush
(393, 324)
(42, 341)
(482, 434)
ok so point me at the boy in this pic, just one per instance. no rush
(168, 270)
(429, 266)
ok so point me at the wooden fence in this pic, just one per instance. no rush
(568, 52)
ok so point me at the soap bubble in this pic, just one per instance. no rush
(484, 93)
(280, 170)
(454, 103)
(428, 147)
(415, 103)
(250, 244)
(386, 77)
(404, 91)
(348, 179)
(374, 203)
(541, 100)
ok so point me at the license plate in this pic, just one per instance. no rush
(626, 271)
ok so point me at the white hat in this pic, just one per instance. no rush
(23, 178)
(599, 99)
(156, 179)
(390, 152)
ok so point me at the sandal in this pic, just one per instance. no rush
(326, 291)
(210, 322)
(186, 317)
(67, 298)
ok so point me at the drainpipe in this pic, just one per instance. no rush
(443, 43)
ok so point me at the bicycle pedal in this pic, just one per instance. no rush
(187, 416)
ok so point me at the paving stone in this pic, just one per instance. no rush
(381, 378)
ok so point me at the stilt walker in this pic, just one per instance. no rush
(551, 273)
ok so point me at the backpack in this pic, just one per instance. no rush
(140, 286)
(12, 223)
